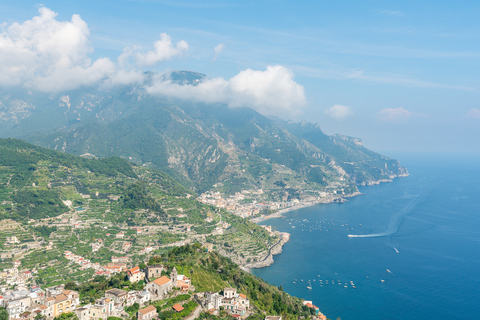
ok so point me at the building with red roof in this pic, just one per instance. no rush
(177, 307)
(160, 287)
(135, 274)
(147, 313)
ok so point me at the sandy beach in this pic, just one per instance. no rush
(280, 212)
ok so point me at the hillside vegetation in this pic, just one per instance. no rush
(54, 202)
(203, 146)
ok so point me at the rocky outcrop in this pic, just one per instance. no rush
(375, 182)
(274, 250)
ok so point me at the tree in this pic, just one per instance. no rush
(116, 283)
(39, 316)
(70, 285)
(3, 313)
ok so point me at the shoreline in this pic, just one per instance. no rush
(280, 212)
(268, 260)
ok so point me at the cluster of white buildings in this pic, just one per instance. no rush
(147, 250)
(113, 304)
(27, 303)
(97, 245)
(109, 269)
(234, 203)
(12, 240)
(84, 263)
(161, 286)
(12, 276)
(231, 301)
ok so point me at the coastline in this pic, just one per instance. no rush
(277, 248)
(328, 200)
(268, 260)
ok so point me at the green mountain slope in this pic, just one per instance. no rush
(205, 147)
(50, 196)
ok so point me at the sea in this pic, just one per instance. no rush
(413, 250)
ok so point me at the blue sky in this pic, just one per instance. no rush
(401, 75)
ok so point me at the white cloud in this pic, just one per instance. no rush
(124, 77)
(218, 49)
(163, 50)
(270, 92)
(339, 112)
(49, 55)
(473, 113)
(394, 115)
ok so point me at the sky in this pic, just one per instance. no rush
(400, 75)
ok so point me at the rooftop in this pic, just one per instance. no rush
(161, 281)
(147, 310)
(177, 307)
(116, 292)
(60, 298)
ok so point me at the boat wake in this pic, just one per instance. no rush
(396, 219)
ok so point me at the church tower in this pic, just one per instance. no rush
(173, 276)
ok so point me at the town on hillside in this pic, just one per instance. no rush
(251, 204)
(158, 294)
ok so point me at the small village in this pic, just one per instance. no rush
(25, 300)
(246, 205)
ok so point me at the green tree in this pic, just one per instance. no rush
(3, 313)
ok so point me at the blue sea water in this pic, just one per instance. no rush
(424, 243)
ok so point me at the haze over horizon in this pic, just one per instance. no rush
(402, 76)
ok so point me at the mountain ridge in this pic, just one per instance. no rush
(203, 146)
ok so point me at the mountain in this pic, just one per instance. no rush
(80, 205)
(203, 146)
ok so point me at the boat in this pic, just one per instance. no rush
(308, 287)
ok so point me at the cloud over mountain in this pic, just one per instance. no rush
(270, 92)
(163, 50)
(50, 55)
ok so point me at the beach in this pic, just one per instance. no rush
(302, 205)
